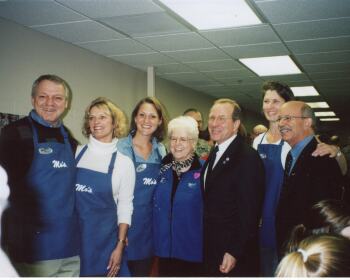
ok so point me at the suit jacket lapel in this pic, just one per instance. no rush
(204, 167)
(228, 158)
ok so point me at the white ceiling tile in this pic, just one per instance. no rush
(79, 31)
(147, 59)
(241, 80)
(198, 55)
(282, 11)
(227, 74)
(330, 75)
(115, 47)
(185, 77)
(203, 84)
(215, 65)
(314, 29)
(324, 57)
(111, 8)
(241, 36)
(173, 68)
(319, 45)
(327, 67)
(288, 78)
(175, 42)
(146, 24)
(37, 12)
(253, 89)
(257, 50)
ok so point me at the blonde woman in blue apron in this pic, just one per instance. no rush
(147, 130)
(273, 151)
(104, 192)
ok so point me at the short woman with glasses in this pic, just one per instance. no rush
(143, 147)
(273, 151)
(178, 204)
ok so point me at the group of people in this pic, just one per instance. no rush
(106, 208)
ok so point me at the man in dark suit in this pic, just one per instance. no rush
(307, 179)
(233, 181)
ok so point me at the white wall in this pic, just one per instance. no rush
(26, 54)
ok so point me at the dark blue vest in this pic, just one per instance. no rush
(178, 228)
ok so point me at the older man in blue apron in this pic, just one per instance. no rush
(40, 232)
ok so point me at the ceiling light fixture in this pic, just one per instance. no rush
(271, 65)
(304, 91)
(318, 104)
(213, 14)
(325, 114)
(329, 119)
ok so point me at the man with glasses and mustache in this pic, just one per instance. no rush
(307, 179)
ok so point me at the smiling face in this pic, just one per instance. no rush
(101, 124)
(294, 129)
(147, 120)
(271, 105)
(181, 145)
(220, 123)
(50, 101)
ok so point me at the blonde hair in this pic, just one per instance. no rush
(118, 117)
(318, 256)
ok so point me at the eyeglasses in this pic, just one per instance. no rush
(288, 118)
(181, 140)
(219, 119)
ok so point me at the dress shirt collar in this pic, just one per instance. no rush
(224, 145)
(34, 115)
(299, 147)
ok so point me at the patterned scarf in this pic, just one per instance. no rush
(178, 165)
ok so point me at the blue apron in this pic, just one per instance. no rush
(271, 156)
(97, 218)
(140, 234)
(45, 223)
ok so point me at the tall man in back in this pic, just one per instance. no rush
(307, 179)
(233, 181)
(40, 232)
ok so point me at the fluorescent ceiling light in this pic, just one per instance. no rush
(330, 119)
(325, 114)
(304, 91)
(271, 65)
(213, 14)
(318, 104)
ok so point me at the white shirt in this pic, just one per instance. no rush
(285, 148)
(221, 149)
(97, 157)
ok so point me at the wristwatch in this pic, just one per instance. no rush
(122, 241)
(338, 153)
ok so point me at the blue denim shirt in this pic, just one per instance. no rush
(124, 145)
(34, 115)
(298, 148)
